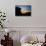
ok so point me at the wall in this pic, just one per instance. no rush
(38, 18)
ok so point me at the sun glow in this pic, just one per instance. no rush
(24, 11)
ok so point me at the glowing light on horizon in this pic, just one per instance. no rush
(24, 11)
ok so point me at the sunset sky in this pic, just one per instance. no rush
(25, 8)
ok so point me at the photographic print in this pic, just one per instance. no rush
(23, 10)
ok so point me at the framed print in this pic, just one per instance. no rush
(23, 10)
